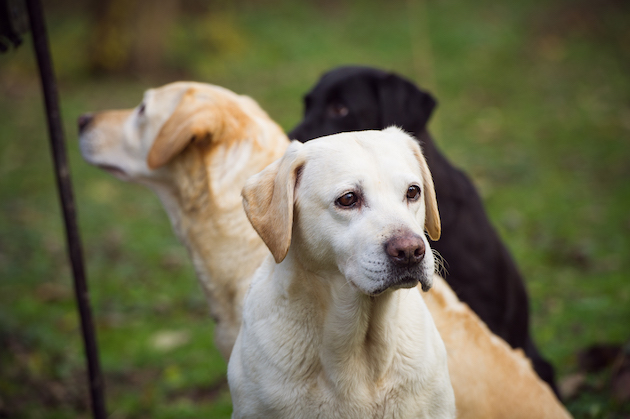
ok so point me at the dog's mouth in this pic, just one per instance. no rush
(114, 170)
(401, 282)
(405, 282)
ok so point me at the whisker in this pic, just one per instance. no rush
(441, 265)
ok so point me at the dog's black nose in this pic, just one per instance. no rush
(84, 120)
(405, 250)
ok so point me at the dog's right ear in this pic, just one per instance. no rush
(268, 199)
(191, 120)
(432, 223)
(403, 105)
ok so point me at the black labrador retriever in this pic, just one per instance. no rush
(479, 267)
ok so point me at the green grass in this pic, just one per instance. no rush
(534, 105)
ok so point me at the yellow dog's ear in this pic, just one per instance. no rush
(268, 198)
(432, 215)
(192, 120)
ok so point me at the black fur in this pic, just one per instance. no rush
(479, 267)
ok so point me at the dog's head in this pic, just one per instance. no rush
(357, 98)
(357, 203)
(195, 130)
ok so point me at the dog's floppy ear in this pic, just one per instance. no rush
(402, 104)
(432, 216)
(268, 198)
(191, 120)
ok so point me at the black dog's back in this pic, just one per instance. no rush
(479, 267)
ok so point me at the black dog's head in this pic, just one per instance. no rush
(355, 98)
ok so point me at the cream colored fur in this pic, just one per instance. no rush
(200, 188)
(337, 328)
(220, 140)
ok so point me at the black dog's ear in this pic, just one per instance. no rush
(403, 104)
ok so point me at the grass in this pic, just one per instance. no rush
(534, 105)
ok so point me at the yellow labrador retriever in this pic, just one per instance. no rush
(195, 145)
(334, 325)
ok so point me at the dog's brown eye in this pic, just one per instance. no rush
(141, 109)
(337, 110)
(348, 199)
(413, 193)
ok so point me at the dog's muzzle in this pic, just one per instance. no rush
(406, 252)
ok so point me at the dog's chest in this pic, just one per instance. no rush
(371, 401)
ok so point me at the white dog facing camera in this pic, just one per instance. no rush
(334, 325)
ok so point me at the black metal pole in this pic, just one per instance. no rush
(55, 128)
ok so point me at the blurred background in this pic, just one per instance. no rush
(534, 104)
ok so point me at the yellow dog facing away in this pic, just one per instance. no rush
(196, 145)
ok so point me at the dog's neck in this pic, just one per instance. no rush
(206, 213)
(225, 254)
(357, 333)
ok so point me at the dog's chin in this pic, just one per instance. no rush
(393, 284)
(115, 171)
(112, 169)
(404, 282)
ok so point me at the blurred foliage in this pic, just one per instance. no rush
(534, 105)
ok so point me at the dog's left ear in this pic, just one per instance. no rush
(268, 199)
(192, 120)
(432, 216)
(404, 105)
